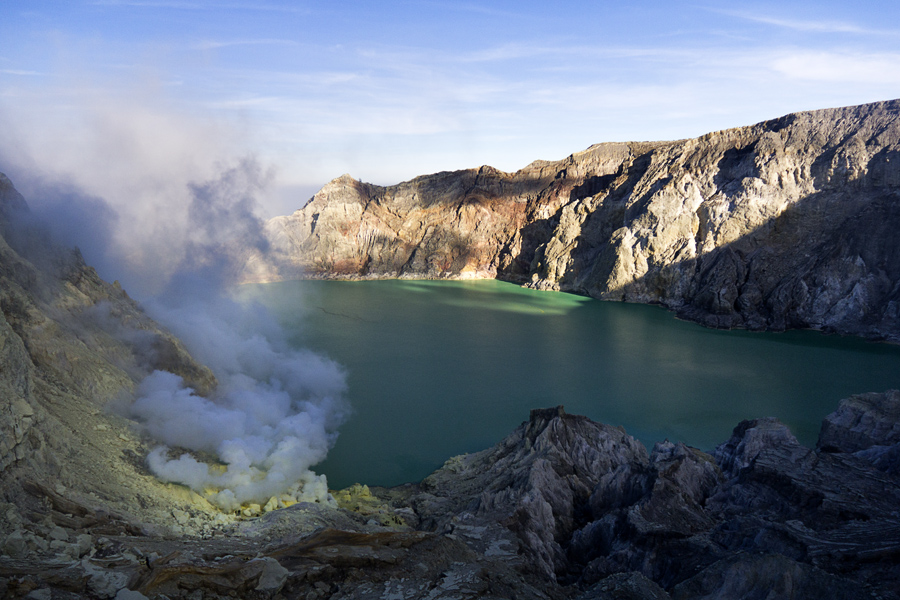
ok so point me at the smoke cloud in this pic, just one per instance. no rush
(175, 230)
(276, 409)
(273, 416)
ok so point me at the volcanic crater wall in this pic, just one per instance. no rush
(789, 223)
(70, 344)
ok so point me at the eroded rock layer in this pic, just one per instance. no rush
(561, 508)
(787, 223)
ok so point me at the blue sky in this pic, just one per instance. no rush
(129, 99)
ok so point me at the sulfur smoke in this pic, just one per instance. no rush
(275, 411)
(153, 198)
(272, 417)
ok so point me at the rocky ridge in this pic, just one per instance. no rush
(561, 508)
(70, 345)
(788, 223)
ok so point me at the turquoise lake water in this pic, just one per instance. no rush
(437, 369)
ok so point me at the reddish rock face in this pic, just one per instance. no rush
(787, 223)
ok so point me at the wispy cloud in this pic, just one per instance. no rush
(839, 67)
(396, 90)
(541, 57)
(807, 25)
(19, 72)
(469, 7)
(246, 102)
(349, 94)
(213, 44)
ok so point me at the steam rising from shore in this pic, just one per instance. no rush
(153, 197)
(275, 411)
(273, 416)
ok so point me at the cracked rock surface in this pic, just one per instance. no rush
(786, 223)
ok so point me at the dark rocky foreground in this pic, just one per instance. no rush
(561, 508)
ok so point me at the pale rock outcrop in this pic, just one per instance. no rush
(787, 223)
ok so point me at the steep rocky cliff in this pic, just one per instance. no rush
(70, 344)
(787, 223)
(587, 506)
(561, 508)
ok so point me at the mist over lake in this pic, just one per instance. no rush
(437, 369)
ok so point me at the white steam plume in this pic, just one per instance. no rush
(123, 188)
(275, 411)
(273, 416)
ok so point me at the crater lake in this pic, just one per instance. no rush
(441, 368)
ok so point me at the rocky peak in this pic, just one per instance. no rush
(750, 439)
(538, 482)
(11, 201)
(786, 223)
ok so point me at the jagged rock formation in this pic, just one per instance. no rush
(787, 223)
(562, 508)
(584, 504)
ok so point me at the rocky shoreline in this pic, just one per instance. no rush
(789, 223)
(562, 508)
(784, 224)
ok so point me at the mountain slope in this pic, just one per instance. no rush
(786, 223)
(70, 344)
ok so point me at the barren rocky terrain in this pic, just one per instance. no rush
(787, 223)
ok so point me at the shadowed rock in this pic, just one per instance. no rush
(788, 223)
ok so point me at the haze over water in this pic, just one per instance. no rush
(437, 369)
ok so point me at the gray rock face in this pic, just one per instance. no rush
(766, 576)
(69, 344)
(585, 506)
(787, 223)
(867, 425)
(529, 494)
(561, 508)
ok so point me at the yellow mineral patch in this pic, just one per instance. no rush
(217, 469)
(359, 499)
